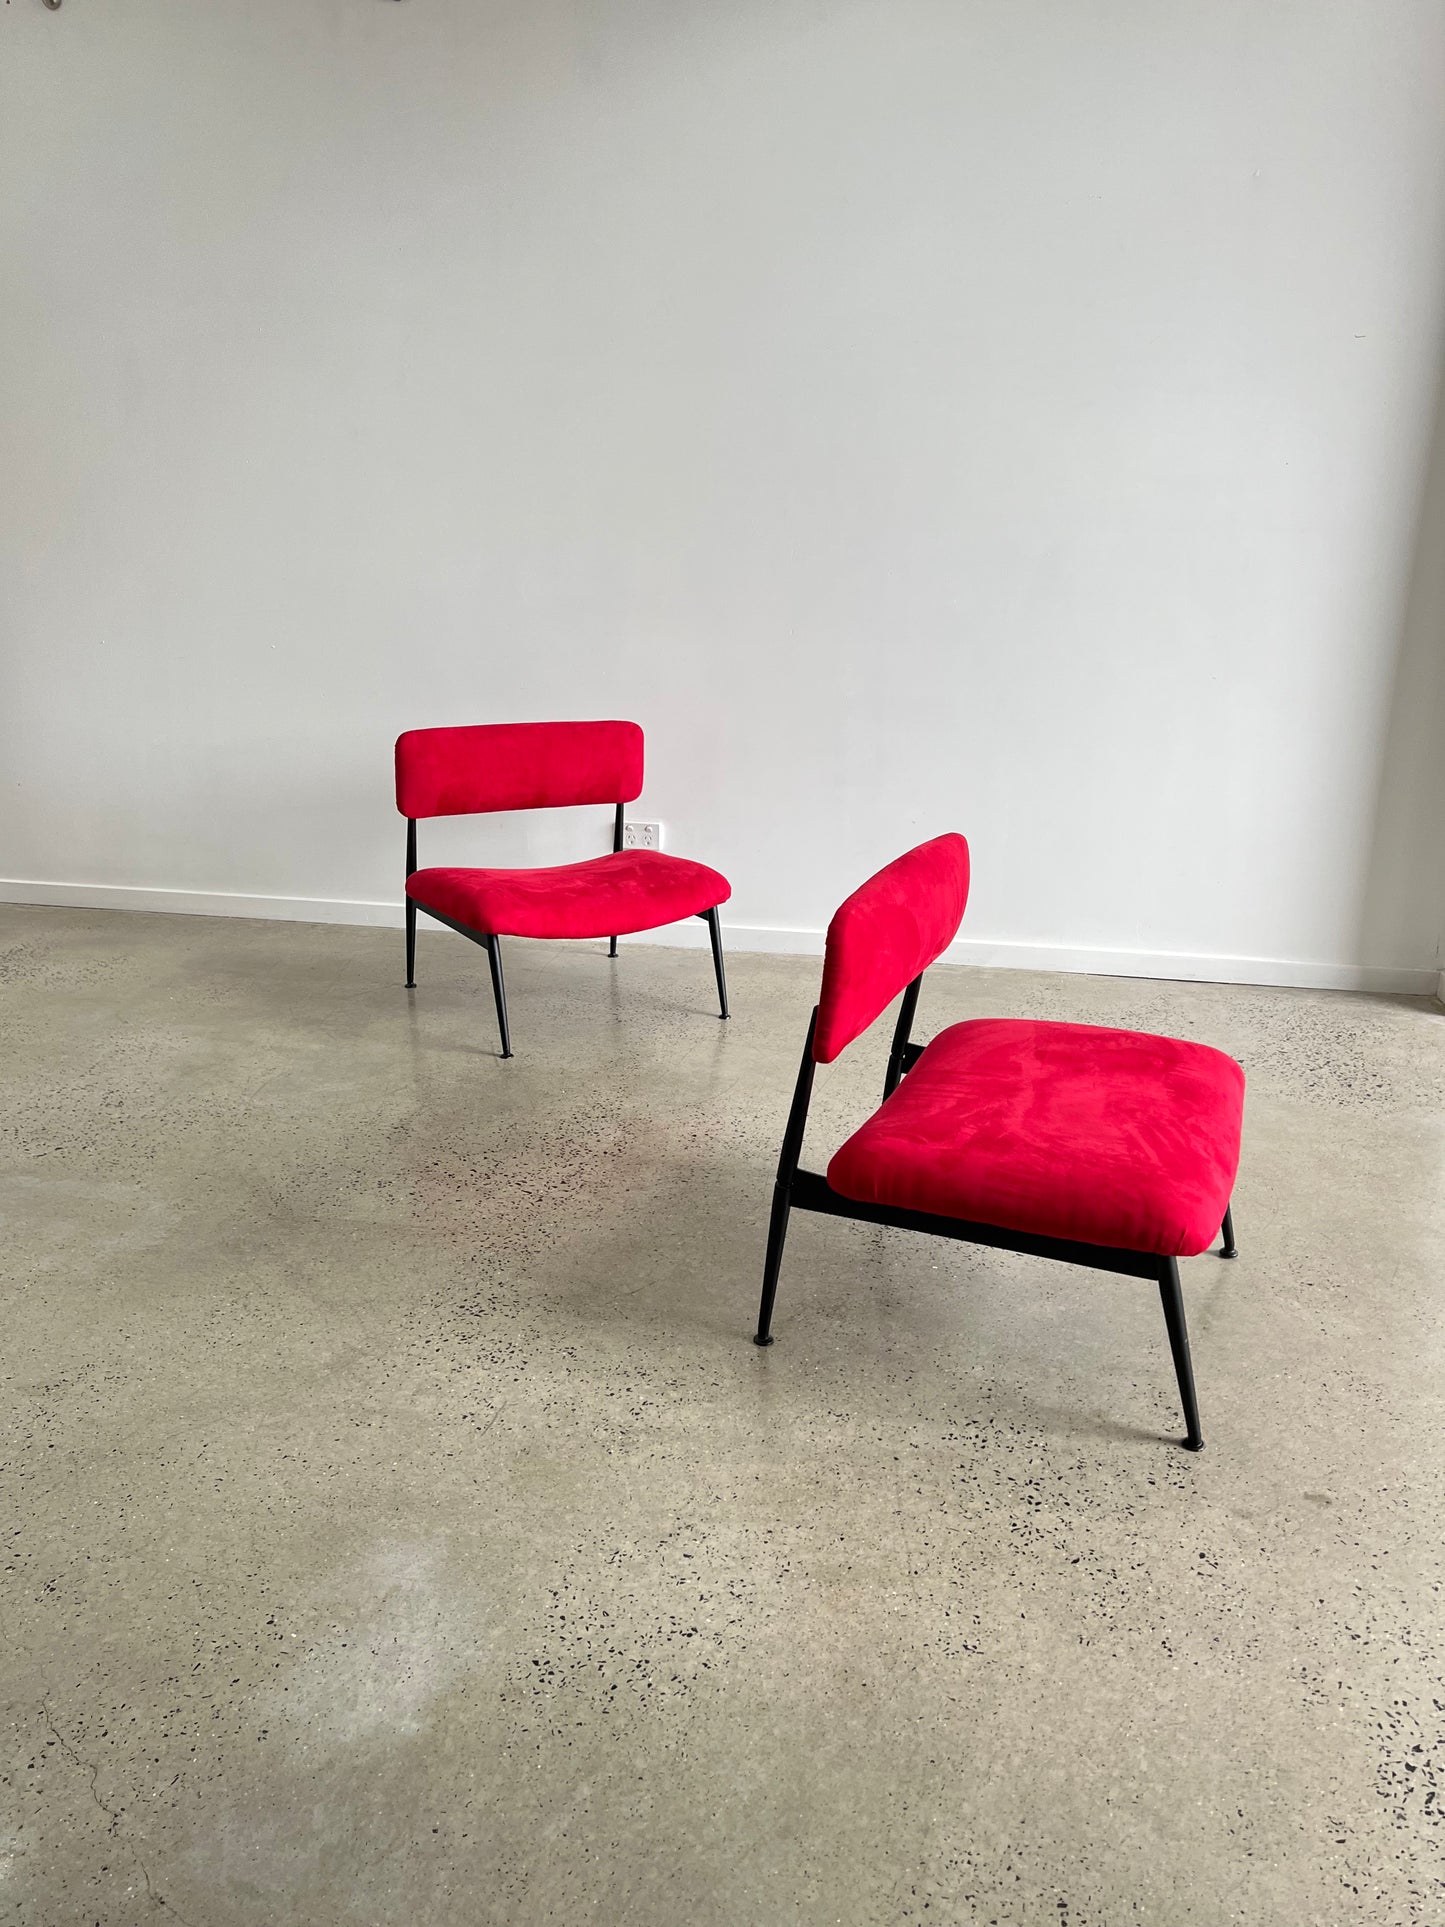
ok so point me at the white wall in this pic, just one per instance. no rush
(1011, 417)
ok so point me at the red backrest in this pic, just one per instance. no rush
(516, 766)
(887, 933)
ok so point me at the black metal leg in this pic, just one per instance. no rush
(410, 904)
(714, 930)
(1228, 1250)
(787, 1169)
(617, 827)
(1173, 1299)
(901, 1033)
(499, 991)
(773, 1263)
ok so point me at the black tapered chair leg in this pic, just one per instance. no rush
(1173, 1300)
(499, 991)
(1228, 1249)
(612, 946)
(714, 930)
(410, 944)
(773, 1263)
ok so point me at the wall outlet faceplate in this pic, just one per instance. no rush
(642, 836)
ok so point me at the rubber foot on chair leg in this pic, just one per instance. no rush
(1229, 1251)
(1192, 1445)
(758, 1339)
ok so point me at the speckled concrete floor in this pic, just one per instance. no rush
(401, 1528)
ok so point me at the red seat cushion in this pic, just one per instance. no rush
(605, 897)
(1111, 1137)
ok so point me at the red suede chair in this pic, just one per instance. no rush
(533, 766)
(1110, 1148)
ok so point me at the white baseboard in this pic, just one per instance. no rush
(1425, 981)
(200, 903)
(1284, 973)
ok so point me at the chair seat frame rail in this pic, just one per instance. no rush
(798, 1190)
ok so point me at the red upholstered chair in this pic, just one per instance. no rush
(1110, 1148)
(533, 766)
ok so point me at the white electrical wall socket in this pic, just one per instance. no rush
(642, 836)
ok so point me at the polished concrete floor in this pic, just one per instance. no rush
(400, 1528)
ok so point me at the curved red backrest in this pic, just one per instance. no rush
(885, 935)
(516, 766)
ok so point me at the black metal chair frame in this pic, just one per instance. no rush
(493, 944)
(801, 1190)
